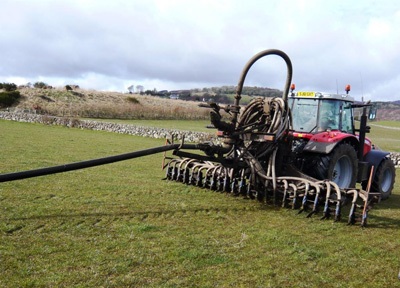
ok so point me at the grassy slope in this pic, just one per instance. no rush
(91, 103)
(120, 225)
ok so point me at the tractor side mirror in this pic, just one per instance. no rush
(372, 113)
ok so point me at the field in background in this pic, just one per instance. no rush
(121, 225)
(384, 134)
(393, 124)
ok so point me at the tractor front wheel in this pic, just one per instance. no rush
(339, 166)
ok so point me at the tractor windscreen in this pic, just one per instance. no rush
(304, 114)
(329, 115)
(315, 115)
(335, 115)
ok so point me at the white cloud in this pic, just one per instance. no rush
(193, 44)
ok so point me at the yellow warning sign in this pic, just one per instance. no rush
(305, 94)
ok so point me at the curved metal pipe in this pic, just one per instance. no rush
(247, 68)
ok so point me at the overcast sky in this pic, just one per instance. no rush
(184, 44)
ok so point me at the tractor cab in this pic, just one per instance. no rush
(325, 144)
(314, 112)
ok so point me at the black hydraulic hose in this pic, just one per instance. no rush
(91, 163)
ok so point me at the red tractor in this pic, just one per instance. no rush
(327, 145)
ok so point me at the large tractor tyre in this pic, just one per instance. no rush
(384, 179)
(339, 166)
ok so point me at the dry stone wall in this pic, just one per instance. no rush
(395, 158)
(143, 131)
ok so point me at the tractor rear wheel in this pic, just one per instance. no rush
(384, 179)
(339, 166)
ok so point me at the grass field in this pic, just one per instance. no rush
(120, 225)
(386, 135)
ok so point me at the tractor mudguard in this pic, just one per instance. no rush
(325, 142)
(319, 147)
(374, 158)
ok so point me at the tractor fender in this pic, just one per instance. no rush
(325, 142)
(374, 158)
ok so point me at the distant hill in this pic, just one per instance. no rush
(99, 104)
(91, 103)
(388, 111)
(397, 102)
(387, 105)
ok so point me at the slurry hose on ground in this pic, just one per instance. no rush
(91, 163)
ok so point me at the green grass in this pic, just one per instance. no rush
(120, 225)
(387, 123)
(384, 136)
